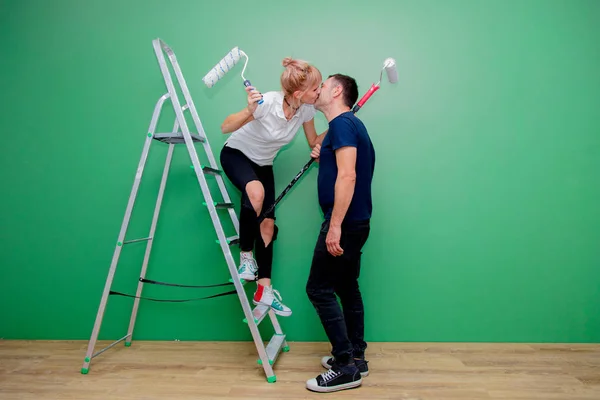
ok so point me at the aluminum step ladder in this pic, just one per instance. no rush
(182, 135)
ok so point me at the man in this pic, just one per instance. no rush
(347, 161)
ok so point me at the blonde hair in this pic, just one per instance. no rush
(298, 75)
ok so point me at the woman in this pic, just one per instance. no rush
(259, 132)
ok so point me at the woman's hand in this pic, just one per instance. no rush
(254, 97)
(316, 151)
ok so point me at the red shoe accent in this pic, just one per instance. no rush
(259, 292)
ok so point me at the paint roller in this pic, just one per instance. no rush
(224, 66)
(389, 65)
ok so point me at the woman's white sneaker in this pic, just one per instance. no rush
(270, 297)
(248, 268)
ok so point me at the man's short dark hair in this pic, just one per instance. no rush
(349, 88)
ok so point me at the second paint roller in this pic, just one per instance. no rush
(389, 65)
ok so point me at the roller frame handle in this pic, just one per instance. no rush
(357, 107)
(247, 83)
(287, 189)
(366, 97)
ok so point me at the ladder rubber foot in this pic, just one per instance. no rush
(84, 371)
(272, 379)
(127, 344)
(285, 349)
(259, 362)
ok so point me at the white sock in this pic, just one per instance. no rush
(245, 254)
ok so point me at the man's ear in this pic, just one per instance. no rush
(337, 90)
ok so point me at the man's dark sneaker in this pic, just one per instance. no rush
(361, 364)
(336, 378)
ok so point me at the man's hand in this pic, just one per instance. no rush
(316, 151)
(333, 240)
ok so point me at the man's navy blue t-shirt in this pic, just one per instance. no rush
(347, 130)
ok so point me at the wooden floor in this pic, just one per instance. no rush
(225, 370)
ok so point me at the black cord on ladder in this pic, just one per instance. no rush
(112, 292)
(186, 286)
(150, 281)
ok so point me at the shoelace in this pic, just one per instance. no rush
(250, 264)
(278, 296)
(329, 375)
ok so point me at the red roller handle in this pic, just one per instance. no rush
(364, 99)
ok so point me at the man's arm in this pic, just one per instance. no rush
(344, 190)
(344, 139)
(344, 184)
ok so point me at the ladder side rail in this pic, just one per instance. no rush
(195, 117)
(210, 205)
(121, 238)
(161, 191)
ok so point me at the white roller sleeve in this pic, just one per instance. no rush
(390, 69)
(223, 67)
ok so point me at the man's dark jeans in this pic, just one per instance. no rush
(331, 275)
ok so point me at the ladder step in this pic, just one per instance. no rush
(220, 205)
(259, 313)
(231, 240)
(210, 171)
(137, 240)
(274, 348)
(176, 138)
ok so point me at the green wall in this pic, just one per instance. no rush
(486, 220)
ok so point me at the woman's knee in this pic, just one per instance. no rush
(255, 192)
(267, 229)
